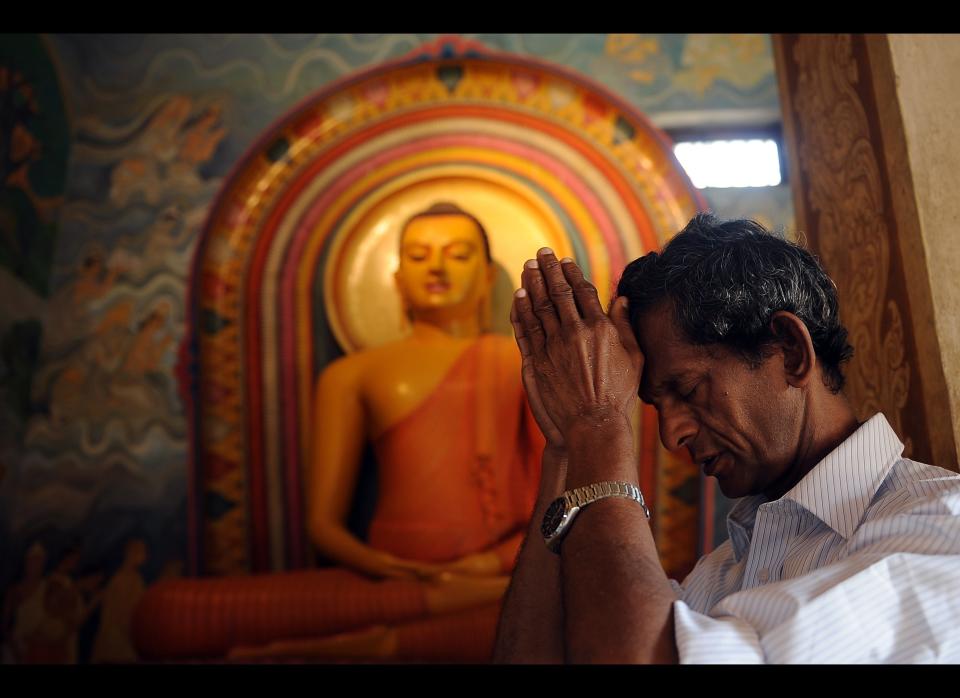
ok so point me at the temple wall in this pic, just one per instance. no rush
(930, 116)
(117, 147)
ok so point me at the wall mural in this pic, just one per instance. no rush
(95, 251)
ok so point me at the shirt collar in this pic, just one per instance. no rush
(740, 522)
(839, 488)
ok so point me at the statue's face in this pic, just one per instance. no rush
(443, 264)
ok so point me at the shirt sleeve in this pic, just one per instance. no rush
(899, 608)
(702, 639)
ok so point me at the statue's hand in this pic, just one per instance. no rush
(391, 567)
(475, 565)
(453, 592)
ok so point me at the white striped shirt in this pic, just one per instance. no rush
(859, 562)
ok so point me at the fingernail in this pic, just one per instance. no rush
(545, 250)
(566, 260)
(521, 293)
(532, 264)
(625, 301)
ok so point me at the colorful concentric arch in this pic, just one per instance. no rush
(603, 179)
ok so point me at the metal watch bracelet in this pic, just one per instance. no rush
(581, 496)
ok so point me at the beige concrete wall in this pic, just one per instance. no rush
(927, 70)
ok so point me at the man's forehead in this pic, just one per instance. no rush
(668, 355)
(657, 331)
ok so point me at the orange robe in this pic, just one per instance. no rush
(459, 474)
(456, 476)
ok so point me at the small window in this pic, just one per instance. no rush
(731, 163)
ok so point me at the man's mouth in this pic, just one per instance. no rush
(438, 287)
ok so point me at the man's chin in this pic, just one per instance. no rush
(731, 489)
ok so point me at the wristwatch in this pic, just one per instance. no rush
(564, 509)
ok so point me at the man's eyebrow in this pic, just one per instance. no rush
(649, 394)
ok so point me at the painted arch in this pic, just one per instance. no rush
(309, 218)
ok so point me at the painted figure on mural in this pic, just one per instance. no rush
(48, 619)
(149, 344)
(114, 364)
(458, 465)
(120, 597)
(94, 344)
(95, 277)
(23, 604)
(111, 317)
(168, 242)
(23, 126)
(175, 143)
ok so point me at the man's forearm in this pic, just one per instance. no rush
(531, 622)
(618, 602)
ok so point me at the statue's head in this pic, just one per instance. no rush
(445, 263)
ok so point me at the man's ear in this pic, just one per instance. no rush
(793, 337)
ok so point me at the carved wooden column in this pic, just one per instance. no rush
(855, 206)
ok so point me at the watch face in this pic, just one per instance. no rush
(553, 517)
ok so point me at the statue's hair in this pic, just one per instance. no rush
(727, 278)
(445, 208)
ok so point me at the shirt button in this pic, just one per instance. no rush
(763, 575)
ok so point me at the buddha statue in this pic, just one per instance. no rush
(457, 454)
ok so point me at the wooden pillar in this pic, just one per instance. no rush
(857, 210)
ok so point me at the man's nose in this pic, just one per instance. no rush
(678, 427)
